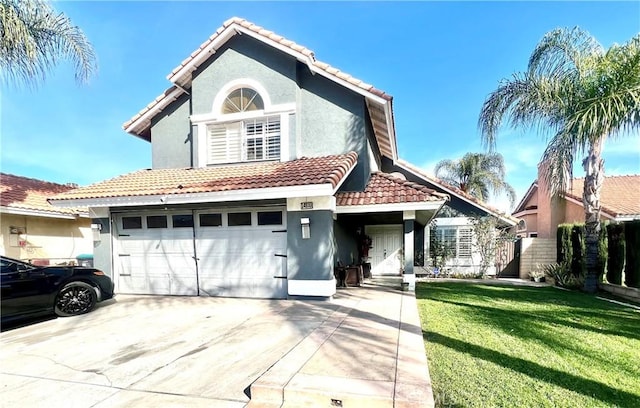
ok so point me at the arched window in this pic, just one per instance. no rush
(242, 100)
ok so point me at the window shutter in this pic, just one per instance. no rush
(273, 138)
(224, 143)
(464, 242)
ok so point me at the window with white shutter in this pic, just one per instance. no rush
(247, 140)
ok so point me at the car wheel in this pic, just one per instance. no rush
(75, 298)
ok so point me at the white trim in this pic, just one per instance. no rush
(626, 217)
(311, 190)
(325, 288)
(162, 103)
(209, 117)
(372, 208)
(42, 213)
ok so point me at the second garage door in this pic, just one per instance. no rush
(239, 253)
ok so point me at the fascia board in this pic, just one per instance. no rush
(193, 198)
(351, 209)
(148, 115)
(42, 213)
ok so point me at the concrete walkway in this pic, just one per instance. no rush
(369, 353)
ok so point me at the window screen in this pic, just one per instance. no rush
(157, 221)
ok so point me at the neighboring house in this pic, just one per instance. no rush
(540, 215)
(270, 168)
(34, 230)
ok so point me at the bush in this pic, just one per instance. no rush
(615, 253)
(602, 251)
(632, 267)
(562, 276)
(563, 243)
(578, 253)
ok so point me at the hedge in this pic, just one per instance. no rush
(632, 267)
(616, 253)
(563, 243)
(578, 252)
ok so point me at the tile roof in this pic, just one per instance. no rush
(305, 171)
(620, 195)
(23, 193)
(384, 188)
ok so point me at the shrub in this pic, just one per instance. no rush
(632, 267)
(578, 254)
(602, 250)
(615, 252)
(562, 276)
(563, 243)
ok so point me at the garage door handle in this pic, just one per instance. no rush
(280, 277)
(284, 230)
(280, 255)
(124, 254)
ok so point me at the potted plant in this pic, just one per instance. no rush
(537, 275)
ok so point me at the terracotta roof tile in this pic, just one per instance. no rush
(385, 188)
(620, 195)
(305, 171)
(31, 194)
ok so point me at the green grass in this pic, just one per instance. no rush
(508, 346)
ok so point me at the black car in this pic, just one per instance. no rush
(29, 290)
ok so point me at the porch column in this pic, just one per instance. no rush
(408, 276)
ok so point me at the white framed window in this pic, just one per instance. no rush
(243, 127)
(458, 240)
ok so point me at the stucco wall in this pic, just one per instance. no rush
(534, 252)
(171, 138)
(310, 259)
(102, 247)
(47, 237)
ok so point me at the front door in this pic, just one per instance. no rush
(386, 249)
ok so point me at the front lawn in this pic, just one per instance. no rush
(509, 346)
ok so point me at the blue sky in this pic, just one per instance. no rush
(439, 60)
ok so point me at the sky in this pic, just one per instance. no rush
(439, 61)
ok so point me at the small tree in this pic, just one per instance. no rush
(487, 238)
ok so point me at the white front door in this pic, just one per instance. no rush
(386, 249)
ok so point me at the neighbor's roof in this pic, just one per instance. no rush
(197, 184)
(378, 102)
(384, 188)
(619, 197)
(28, 196)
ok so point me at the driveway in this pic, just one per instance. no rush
(153, 351)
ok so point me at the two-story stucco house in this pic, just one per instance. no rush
(269, 169)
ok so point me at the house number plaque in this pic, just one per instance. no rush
(307, 205)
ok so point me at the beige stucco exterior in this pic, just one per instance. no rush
(33, 237)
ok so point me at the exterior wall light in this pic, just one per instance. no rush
(306, 229)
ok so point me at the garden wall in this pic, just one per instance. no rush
(621, 291)
(536, 251)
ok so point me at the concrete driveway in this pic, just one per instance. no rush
(153, 351)
(364, 348)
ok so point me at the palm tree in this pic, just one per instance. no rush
(581, 94)
(476, 174)
(34, 38)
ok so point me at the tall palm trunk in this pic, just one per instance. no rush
(594, 169)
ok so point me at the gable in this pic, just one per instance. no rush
(378, 103)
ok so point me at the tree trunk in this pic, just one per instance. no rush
(594, 176)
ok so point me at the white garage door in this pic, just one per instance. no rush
(241, 253)
(236, 253)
